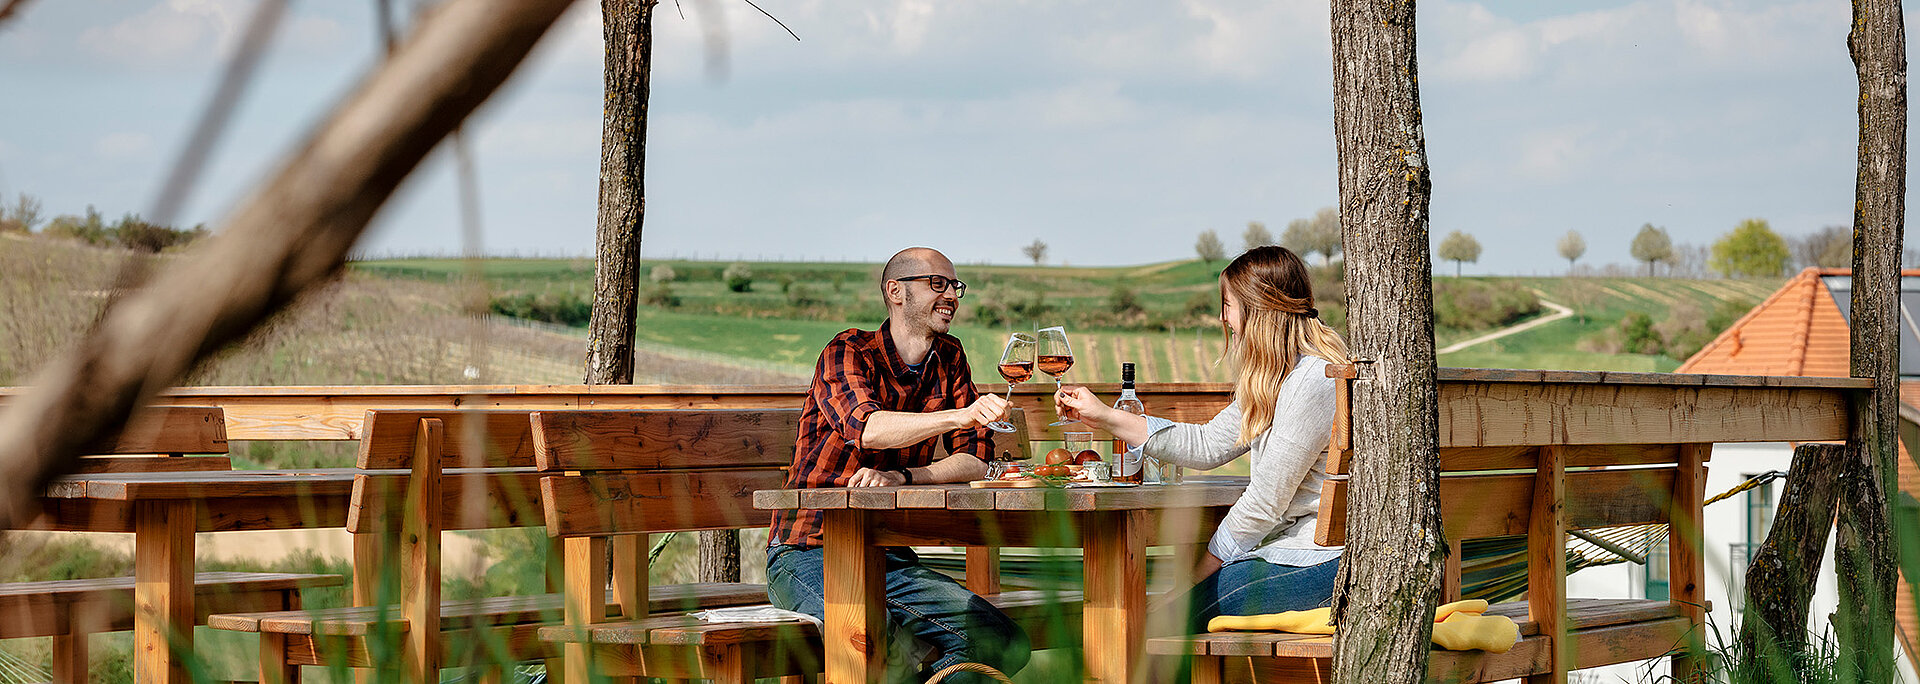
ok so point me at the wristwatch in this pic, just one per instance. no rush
(906, 473)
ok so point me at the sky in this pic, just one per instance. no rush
(1113, 130)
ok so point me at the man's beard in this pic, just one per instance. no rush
(920, 314)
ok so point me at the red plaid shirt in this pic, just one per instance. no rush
(860, 372)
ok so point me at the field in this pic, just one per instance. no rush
(1174, 335)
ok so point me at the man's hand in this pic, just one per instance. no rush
(868, 477)
(986, 409)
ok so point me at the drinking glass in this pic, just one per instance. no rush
(1054, 357)
(1016, 365)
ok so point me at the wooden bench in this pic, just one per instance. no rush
(614, 473)
(466, 470)
(158, 439)
(1540, 492)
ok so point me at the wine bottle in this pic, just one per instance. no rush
(1127, 458)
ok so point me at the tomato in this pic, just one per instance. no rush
(1087, 456)
(1059, 456)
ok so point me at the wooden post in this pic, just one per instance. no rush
(1781, 576)
(983, 570)
(1547, 562)
(162, 590)
(1390, 573)
(1686, 563)
(420, 557)
(1864, 550)
(1114, 619)
(855, 638)
(630, 570)
(586, 602)
(287, 236)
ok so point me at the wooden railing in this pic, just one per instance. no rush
(1477, 406)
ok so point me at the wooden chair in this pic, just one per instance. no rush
(628, 472)
(465, 470)
(158, 439)
(1557, 488)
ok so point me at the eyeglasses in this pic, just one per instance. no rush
(939, 283)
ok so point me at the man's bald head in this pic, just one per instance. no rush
(914, 261)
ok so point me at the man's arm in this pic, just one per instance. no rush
(895, 429)
(954, 468)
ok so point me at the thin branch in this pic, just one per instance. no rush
(233, 82)
(796, 36)
(289, 235)
(9, 9)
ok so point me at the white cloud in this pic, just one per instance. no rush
(122, 145)
(169, 33)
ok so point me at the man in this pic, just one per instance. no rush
(880, 401)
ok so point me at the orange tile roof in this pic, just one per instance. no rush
(1797, 331)
(1801, 331)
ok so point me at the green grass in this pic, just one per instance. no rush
(1169, 342)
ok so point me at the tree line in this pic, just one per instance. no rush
(1751, 249)
(23, 217)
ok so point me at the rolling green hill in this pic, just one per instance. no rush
(1162, 316)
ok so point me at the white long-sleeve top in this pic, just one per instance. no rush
(1274, 519)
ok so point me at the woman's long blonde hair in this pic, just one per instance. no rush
(1278, 325)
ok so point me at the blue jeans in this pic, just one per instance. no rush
(1252, 586)
(963, 626)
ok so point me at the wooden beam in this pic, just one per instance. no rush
(855, 638)
(1547, 563)
(163, 591)
(420, 558)
(1114, 619)
(1686, 560)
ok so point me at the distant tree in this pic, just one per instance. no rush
(1652, 245)
(1036, 251)
(1829, 247)
(1256, 236)
(739, 277)
(1458, 248)
(662, 273)
(22, 216)
(1209, 247)
(1318, 234)
(1572, 247)
(1752, 249)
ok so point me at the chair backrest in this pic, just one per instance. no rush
(482, 461)
(167, 439)
(626, 472)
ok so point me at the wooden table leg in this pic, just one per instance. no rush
(855, 638)
(1114, 622)
(162, 590)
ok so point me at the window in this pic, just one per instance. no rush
(1656, 573)
(1759, 512)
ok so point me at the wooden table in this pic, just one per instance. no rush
(164, 511)
(1112, 526)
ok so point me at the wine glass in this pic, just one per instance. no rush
(1055, 356)
(1016, 365)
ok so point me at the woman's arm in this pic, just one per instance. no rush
(1205, 446)
(1303, 420)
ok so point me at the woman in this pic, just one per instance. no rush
(1262, 558)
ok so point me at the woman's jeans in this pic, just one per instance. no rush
(963, 626)
(1252, 586)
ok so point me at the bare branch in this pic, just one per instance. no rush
(289, 235)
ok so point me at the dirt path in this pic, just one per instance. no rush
(1559, 312)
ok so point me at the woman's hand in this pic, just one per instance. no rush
(1074, 402)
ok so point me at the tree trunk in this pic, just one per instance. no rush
(287, 236)
(720, 556)
(1780, 580)
(1864, 551)
(1390, 573)
(623, 198)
